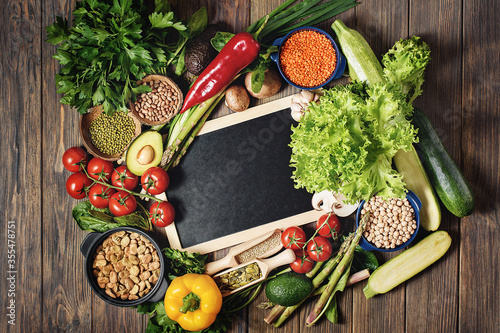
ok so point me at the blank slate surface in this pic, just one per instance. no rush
(236, 178)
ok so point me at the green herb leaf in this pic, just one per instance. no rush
(182, 262)
(331, 312)
(220, 39)
(198, 22)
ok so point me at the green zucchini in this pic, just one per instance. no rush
(448, 181)
(408, 263)
(362, 62)
(409, 166)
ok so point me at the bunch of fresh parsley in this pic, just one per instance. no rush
(112, 44)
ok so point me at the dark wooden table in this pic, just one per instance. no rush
(459, 293)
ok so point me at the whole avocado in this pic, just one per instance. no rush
(199, 52)
(288, 289)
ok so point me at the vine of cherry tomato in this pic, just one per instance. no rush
(303, 262)
(319, 248)
(155, 180)
(122, 177)
(75, 159)
(99, 195)
(122, 203)
(330, 229)
(77, 184)
(293, 238)
(100, 169)
(162, 214)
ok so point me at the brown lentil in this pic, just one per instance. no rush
(307, 58)
(158, 105)
(394, 225)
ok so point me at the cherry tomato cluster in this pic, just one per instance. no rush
(317, 248)
(112, 188)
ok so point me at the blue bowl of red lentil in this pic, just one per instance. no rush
(394, 224)
(308, 58)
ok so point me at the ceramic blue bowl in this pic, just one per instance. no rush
(415, 203)
(339, 69)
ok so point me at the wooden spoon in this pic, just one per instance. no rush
(265, 266)
(231, 260)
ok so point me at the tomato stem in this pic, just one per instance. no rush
(122, 188)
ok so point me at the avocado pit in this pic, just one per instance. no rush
(146, 155)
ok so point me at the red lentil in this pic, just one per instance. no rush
(307, 58)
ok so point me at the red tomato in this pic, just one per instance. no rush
(100, 169)
(74, 159)
(122, 177)
(155, 180)
(303, 263)
(319, 248)
(76, 185)
(293, 238)
(99, 195)
(331, 227)
(122, 203)
(162, 213)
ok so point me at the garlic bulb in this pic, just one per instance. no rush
(300, 102)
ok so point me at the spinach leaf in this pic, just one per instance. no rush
(263, 62)
(363, 260)
(220, 39)
(90, 218)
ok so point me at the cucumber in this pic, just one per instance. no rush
(448, 181)
(362, 62)
(408, 263)
(288, 289)
(409, 166)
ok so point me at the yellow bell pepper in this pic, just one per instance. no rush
(193, 301)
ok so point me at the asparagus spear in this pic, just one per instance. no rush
(354, 278)
(344, 265)
(322, 275)
(193, 133)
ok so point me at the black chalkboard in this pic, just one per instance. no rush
(236, 178)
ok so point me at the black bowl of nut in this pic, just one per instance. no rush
(161, 104)
(124, 266)
(393, 223)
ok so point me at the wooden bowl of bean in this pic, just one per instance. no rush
(108, 136)
(393, 223)
(161, 104)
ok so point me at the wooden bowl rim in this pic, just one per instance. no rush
(86, 119)
(156, 77)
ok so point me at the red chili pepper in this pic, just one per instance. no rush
(237, 54)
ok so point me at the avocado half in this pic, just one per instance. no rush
(144, 152)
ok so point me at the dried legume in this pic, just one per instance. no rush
(307, 58)
(111, 134)
(158, 105)
(391, 222)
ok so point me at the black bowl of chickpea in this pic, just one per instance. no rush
(393, 223)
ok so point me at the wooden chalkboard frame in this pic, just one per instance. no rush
(241, 236)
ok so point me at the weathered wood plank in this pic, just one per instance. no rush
(382, 23)
(20, 147)
(67, 297)
(432, 295)
(479, 260)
